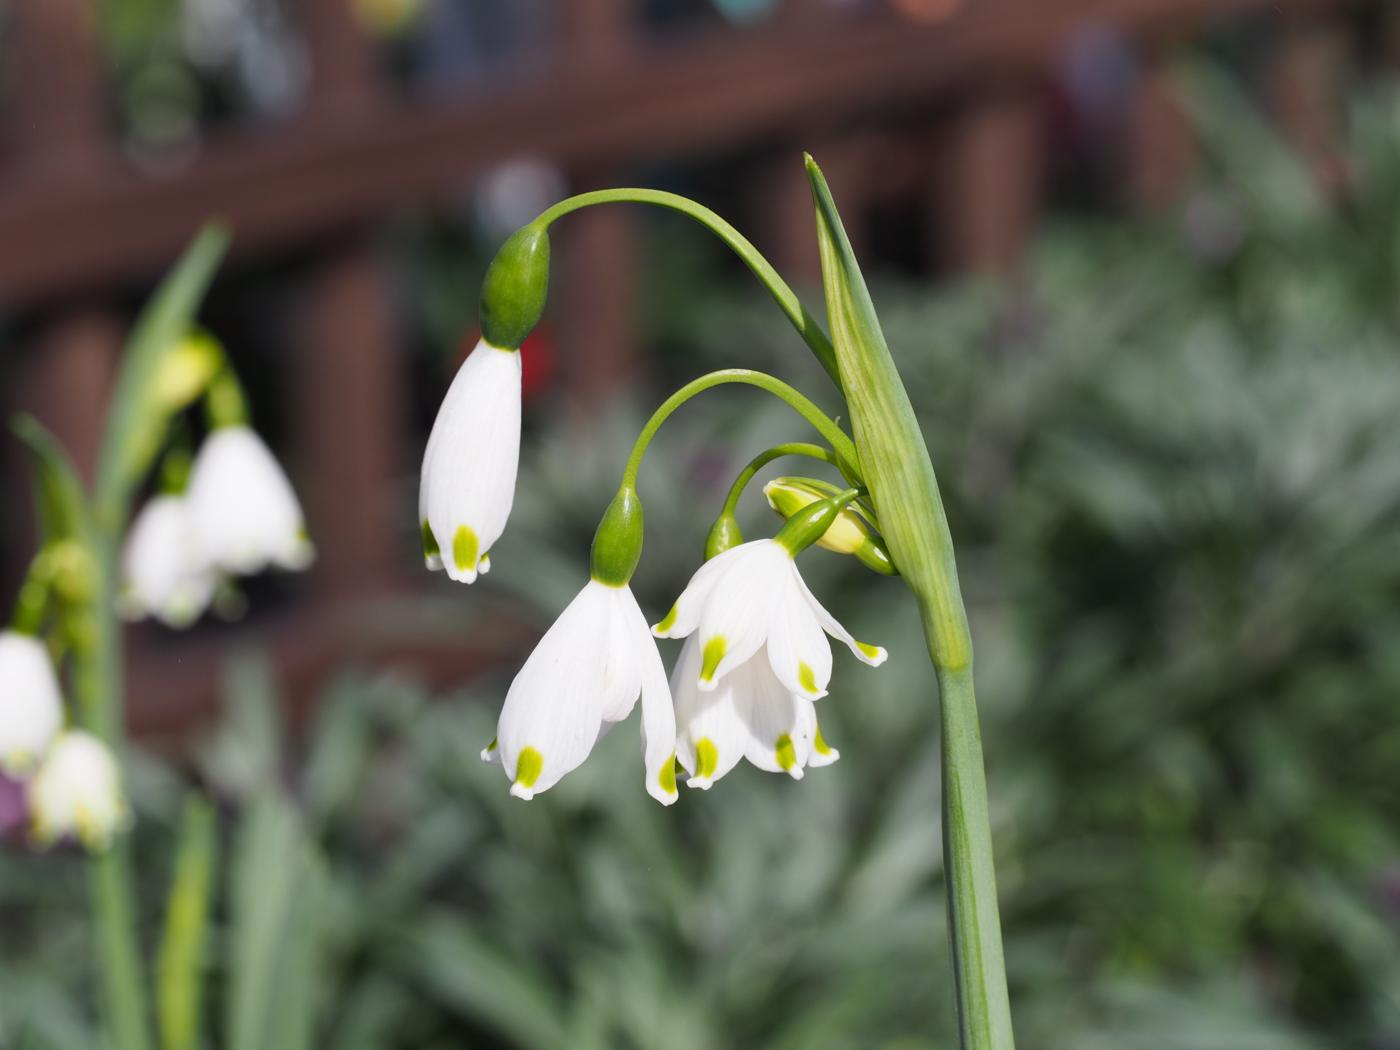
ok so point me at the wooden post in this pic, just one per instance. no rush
(989, 200)
(349, 408)
(343, 74)
(1161, 144)
(62, 372)
(1305, 87)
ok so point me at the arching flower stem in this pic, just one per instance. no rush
(791, 448)
(844, 455)
(806, 325)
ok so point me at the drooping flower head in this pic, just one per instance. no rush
(587, 672)
(756, 657)
(245, 513)
(468, 479)
(166, 573)
(752, 597)
(31, 705)
(77, 791)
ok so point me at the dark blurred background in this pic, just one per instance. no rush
(1139, 261)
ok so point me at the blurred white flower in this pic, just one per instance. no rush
(587, 672)
(752, 597)
(468, 480)
(31, 705)
(750, 714)
(166, 573)
(77, 791)
(245, 513)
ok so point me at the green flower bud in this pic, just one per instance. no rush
(516, 286)
(850, 532)
(617, 545)
(724, 534)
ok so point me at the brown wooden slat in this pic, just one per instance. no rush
(276, 187)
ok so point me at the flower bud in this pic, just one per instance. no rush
(617, 545)
(724, 534)
(516, 286)
(850, 532)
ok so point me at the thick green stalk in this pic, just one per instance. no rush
(785, 297)
(899, 473)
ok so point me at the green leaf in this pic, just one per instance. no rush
(274, 944)
(58, 492)
(136, 420)
(180, 964)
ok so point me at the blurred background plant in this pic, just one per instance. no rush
(1171, 459)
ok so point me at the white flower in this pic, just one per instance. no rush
(244, 510)
(752, 597)
(750, 714)
(468, 479)
(31, 706)
(77, 791)
(585, 673)
(166, 573)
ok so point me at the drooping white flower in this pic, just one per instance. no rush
(245, 513)
(586, 672)
(750, 714)
(77, 791)
(467, 484)
(752, 598)
(31, 705)
(165, 571)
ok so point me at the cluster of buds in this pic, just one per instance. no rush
(756, 656)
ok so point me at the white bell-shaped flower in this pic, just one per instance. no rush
(468, 480)
(586, 672)
(31, 704)
(752, 598)
(245, 513)
(750, 714)
(77, 791)
(165, 571)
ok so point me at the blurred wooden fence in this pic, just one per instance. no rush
(81, 227)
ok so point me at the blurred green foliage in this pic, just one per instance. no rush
(1171, 458)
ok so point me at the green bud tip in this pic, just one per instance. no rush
(516, 286)
(724, 534)
(617, 545)
(810, 524)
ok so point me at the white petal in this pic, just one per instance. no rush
(77, 791)
(165, 571)
(684, 616)
(554, 708)
(658, 712)
(797, 648)
(244, 510)
(874, 655)
(622, 668)
(739, 610)
(711, 737)
(31, 705)
(823, 754)
(467, 484)
(780, 723)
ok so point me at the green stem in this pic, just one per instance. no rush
(785, 297)
(792, 448)
(845, 450)
(984, 1013)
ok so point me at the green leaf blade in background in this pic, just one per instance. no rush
(180, 964)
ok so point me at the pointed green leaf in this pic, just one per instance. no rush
(181, 963)
(135, 422)
(58, 493)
